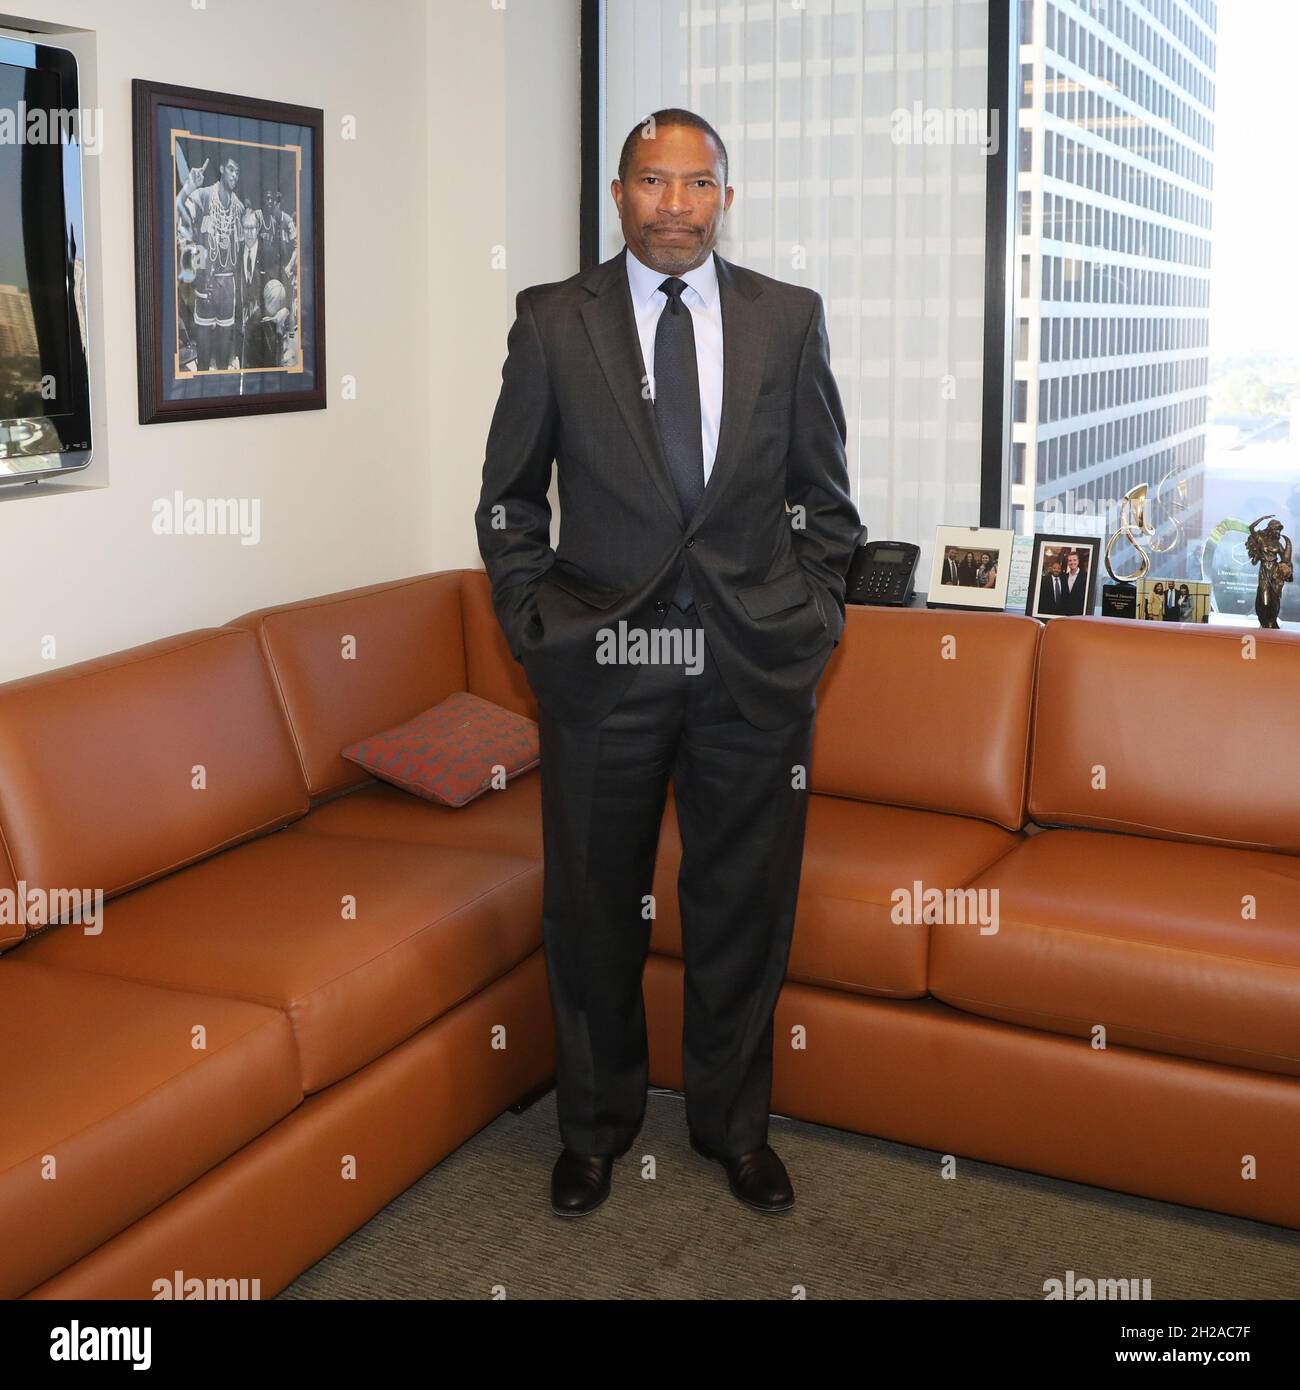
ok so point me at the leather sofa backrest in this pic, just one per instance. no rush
(1182, 733)
(351, 664)
(119, 770)
(929, 708)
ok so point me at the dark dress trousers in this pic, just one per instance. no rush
(734, 736)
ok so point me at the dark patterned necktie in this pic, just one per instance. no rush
(677, 410)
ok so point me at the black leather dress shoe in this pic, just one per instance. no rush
(580, 1182)
(758, 1179)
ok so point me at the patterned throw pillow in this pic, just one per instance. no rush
(447, 754)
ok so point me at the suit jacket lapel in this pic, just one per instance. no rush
(611, 325)
(745, 329)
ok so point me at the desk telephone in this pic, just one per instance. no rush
(883, 572)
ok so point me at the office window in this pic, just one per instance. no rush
(1165, 146)
(838, 188)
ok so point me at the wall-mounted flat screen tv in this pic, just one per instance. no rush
(44, 373)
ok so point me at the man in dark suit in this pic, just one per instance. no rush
(706, 507)
(1049, 589)
(951, 566)
(1074, 586)
(250, 282)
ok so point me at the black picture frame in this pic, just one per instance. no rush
(272, 137)
(1035, 606)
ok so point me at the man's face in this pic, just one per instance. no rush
(250, 229)
(672, 204)
(230, 174)
(271, 202)
(952, 552)
(1072, 562)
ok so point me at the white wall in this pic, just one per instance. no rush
(504, 179)
(467, 119)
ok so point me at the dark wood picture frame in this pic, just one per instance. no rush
(1046, 539)
(152, 265)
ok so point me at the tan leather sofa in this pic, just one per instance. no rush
(309, 987)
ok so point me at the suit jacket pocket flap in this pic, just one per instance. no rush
(580, 588)
(785, 591)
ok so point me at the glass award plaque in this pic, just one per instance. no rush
(1226, 565)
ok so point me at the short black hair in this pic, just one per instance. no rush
(670, 116)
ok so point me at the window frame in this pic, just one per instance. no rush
(1000, 224)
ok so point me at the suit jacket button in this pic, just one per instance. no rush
(690, 542)
(660, 606)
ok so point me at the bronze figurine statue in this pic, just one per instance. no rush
(1271, 551)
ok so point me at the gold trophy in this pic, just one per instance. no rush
(1119, 600)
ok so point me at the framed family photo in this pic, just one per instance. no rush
(1063, 576)
(971, 567)
(230, 266)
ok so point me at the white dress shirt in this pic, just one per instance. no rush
(701, 297)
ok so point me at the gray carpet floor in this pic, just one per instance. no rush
(872, 1220)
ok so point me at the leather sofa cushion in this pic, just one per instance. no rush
(508, 821)
(266, 922)
(97, 781)
(856, 855)
(1189, 733)
(350, 663)
(111, 1087)
(929, 709)
(1144, 936)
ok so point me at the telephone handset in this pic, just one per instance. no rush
(883, 572)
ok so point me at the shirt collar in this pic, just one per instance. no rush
(643, 281)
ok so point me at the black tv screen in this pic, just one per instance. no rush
(44, 385)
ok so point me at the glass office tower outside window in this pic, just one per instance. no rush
(1114, 215)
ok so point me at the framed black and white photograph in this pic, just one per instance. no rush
(971, 568)
(230, 292)
(1063, 576)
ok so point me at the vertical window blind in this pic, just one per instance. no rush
(857, 135)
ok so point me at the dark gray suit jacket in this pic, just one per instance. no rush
(769, 583)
